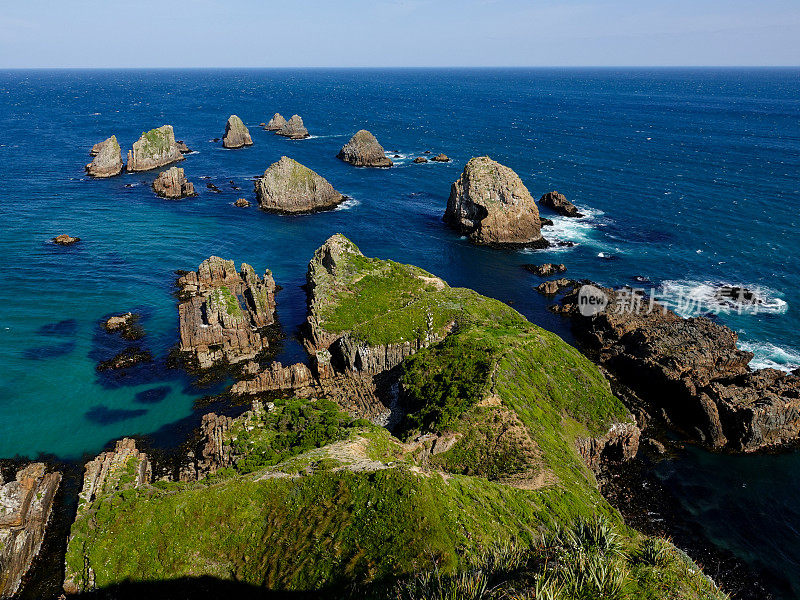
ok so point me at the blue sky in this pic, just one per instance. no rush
(347, 33)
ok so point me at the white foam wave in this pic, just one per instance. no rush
(770, 356)
(689, 298)
(348, 204)
(576, 230)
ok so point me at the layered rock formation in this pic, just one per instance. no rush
(363, 150)
(236, 134)
(155, 148)
(289, 187)
(490, 205)
(122, 468)
(172, 183)
(276, 123)
(65, 240)
(25, 506)
(107, 160)
(294, 129)
(560, 204)
(689, 371)
(223, 313)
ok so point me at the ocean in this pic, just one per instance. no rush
(689, 179)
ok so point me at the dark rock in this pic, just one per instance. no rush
(172, 183)
(130, 357)
(545, 222)
(65, 240)
(234, 187)
(236, 134)
(551, 288)
(653, 446)
(560, 204)
(420, 160)
(294, 129)
(363, 150)
(242, 203)
(213, 188)
(546, 269)
(441, 158)
(127, 325)
(289, 187)
(182, 148)
(156, 148)
(107, 160)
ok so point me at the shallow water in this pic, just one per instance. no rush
(688, 177)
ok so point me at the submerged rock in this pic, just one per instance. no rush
(127, 325)
(236, 134)
(363, 150)
(65, 240)
(289, 187)
(107, 160)
(223, 313)
(294, 129)
(560, 204)
(441, 158)
(172, 183)
(490, 204)
(276, 123)
(213, 188)
(155, 148)
(130, 357)
(25, 506)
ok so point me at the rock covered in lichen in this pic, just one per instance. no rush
(107, 160)
(223, 313)
(363, 150)
(172, 183)
(294, 129)
(559, 203)
(289, 187)
(155, 148)
(276, 123)
(236, 134)
(25, 506)
(490, 204)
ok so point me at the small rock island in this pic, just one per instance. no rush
(289, 187)
(490, 204)
(236, 134)
(156, 148)
(276, 123)
(559, 203)
(172, 183)
(107, 160)
(363, 150)
(293, 129)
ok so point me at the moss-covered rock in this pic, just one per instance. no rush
(155, 148)
(236, 134)
(289, 187)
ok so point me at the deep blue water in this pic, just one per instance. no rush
(689, 178)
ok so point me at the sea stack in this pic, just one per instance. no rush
(172, 183)
(441, 158)
(107, 160)
(276, 123)
(363, 150)
(236, 134)
(559, 203)
(289, 187)
(156, 148)
(294, 129)
(490, 204)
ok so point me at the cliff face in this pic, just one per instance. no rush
(107, 160)
(289, 187)
(223, 313)
(294, 129)
(172, 183)
(155, 148)
(236, 134)
(490, 204)
(25, 506)
(363, 150)
(276, 123)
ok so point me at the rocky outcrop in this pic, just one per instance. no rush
(546, 269)
(119, 469)
(620, 443)
(172, 183)
(25, 507)
(107, 160)
(242, 203)
(209, 453)
(551, 288)
(363, 150)
(274, 378)
(129, 357)
(559, 203)
(155, 148)
(689, 371)
(289, 187)
(65, 240)
(440, 158)
(294, 129)
(420, 160)
(223, 314)
(182, 147)
(491, 206)
(127, 325)
(276, 123)
(236, 134)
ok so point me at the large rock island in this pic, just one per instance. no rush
(107, 160)
(236, 134)
(363, 150)
(155, 148)
(276, 123)
(294, 129)
(289, 187)
(492, 207)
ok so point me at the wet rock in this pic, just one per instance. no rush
(223, 314)
(107, 160)
(241, 203)
(546, 269)
(130, 357)
(545, 222)
(490, 204)
(65, 240)
(172, 183)
(289, 187)
(182, 148)
(25, 507)
(213, 188)
(126, 325)
(420, 160)
(441, 158)
(363, 150)
(233, 185)
(276, 123)
(155, 148)
(236, 134)
(653, 446)
(560, 204)
(294, 129)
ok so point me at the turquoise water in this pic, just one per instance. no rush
(688, 178)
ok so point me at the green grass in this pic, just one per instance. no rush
(154, 143)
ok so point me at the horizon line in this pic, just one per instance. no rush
(394, 67)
